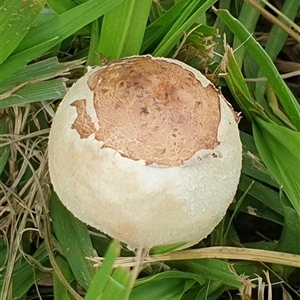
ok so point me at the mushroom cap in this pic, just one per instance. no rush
(146, 150)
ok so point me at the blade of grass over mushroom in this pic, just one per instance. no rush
(16, 19)
(195, 10)
(119, 285)
(286, 97)
(279, 149)
(41, 39)
(123, 29)
(74, 240)
(103, 277)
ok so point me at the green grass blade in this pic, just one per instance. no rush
(123, 29)
(181, 25)
(252, 163)
(74, 240)
(4, 150)
(279, 149)
(35, 92)
(103, 275)
(26, 272)
(276, 39)
(286, 97)
(43, 38)
(223, 31)
(167, 248)
(248, 16)
(290, 236)
(165, 286)
(61, 6)
(16, 19)
(119, 285)
(156, 11)
(238, 86)
(36, 82)
(265, 199)
(214, 269)
(59, 290)
(42, 70)
(159, 28)
(94, 56)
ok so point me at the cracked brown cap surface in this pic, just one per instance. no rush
(150, 109)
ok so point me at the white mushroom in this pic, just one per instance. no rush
(146, 150)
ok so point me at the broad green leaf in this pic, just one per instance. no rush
(289, 239)
(210, 291)
(279, 149)
(290, 236)
(74, 240)
(169, 285)
(41, 39)
(26, 272)
(59, 290)
(266, 65)
(123, 29)
(214, 269)
(16, 19)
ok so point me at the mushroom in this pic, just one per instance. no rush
(146, 150)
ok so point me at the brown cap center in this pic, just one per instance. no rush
(152, 110)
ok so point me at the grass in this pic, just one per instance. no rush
(254, 251)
